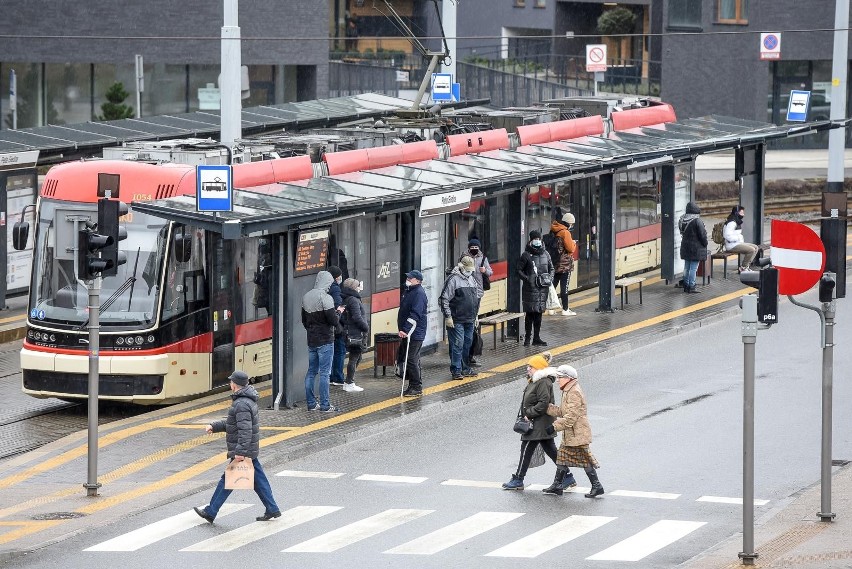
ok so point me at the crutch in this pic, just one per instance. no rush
(405, 365)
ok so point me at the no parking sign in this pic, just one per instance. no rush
(770, 46)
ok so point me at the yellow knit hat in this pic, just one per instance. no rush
(538, 362)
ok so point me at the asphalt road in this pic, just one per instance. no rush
(668, 431)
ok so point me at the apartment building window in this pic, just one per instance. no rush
(520, 3)
(732, 12)
(685, 14)
(541, 3)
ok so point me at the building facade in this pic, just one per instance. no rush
(66, 56)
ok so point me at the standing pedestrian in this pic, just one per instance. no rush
(339, 338)
(459, 302)
(573, 421)
(734, 240)
(538, 396)
(693, 244)
(320, 319)
(242, 435)
(536, 271)
(413, 310)
(483, 272)
(564, 263)
(355, 328)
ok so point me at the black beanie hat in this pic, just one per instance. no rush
(335, 272)
(535, 234)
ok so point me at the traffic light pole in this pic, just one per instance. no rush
(749, 332)
(92, 483)
(826, 316)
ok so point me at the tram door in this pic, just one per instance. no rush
(223, 301)
(580, 197)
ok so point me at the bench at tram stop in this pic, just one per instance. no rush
(624, 285)
(500, 319)
(724, 254)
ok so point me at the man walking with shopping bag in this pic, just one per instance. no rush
(242, 430)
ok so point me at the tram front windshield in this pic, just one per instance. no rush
(128, 299)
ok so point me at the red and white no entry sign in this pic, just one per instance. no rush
(596, 57)
(798, 254)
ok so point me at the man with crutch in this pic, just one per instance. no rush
(411, 323)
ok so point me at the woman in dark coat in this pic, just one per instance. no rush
(538, 395)
(535, 265)
(355, 329)
(693, 244)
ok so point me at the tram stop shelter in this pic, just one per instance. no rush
(396, 203)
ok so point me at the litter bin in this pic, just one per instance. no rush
(386, 347)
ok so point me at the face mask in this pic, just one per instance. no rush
(339, 280)
(474, 251)
(360, 286)
(466, 273)
(536, 242)
(408, 284)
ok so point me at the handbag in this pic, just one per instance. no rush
(239, 475)
(476, 345)
(356, 340)
(542, 280)
(486, 280)
(522, 424)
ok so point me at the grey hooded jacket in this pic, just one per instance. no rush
(318, 314)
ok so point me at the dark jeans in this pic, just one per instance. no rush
(412, 371)
(527, 450)
(338, 359)
(319, 361)
(461, 337)
(532, 324)
(355, 353)
(561, 282)
(261, 487)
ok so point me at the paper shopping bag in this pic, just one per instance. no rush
(239, 475)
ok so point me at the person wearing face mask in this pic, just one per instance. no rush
(734, 240)
(460, 303)
(339, 339)
(693, 244)
(412, 314)
(483, 272)
(565, 246)
(536, 272)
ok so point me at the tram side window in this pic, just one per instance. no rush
(628, 202)
(495, 243)
(258, 285)
(184, 283)
(387, 275)
(649, 197)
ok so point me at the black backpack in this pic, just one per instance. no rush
(551, 245)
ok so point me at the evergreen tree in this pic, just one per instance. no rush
(114, 108)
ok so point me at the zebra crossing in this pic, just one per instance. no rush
(635, 546)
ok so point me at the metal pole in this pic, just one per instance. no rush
(231, 82)
(825, 514)
(426, 81)
(749, 333)
(140, 84)
(448, 16)
(837, 136)
(92, 483)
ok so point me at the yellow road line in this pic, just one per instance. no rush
(26, 528)
(13, 319)
(111, 438)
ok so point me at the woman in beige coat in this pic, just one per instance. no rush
(573, 421)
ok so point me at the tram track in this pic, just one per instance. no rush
(806, 203)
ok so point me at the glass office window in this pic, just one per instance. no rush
(30, 101)
(68, 89)
(199, 77)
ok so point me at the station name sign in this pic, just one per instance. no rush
(439, 204)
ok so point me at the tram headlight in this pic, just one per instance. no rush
(38, 335)
(119, 341)
(139, 340)
(53, 337)
(150, 338)
(30, 334)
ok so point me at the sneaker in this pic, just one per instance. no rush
(458, 376)
(412, 393)
(569, 312)
(470, 373)
(331, 409)
(539, 343)
(514, 484)
(336, 383)
(315, 408)
(351, 387)
(268, 516)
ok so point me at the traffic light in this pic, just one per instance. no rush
(766, 283)
(827, 284)
(90, 264)
(109, 212)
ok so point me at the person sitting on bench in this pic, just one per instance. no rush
(734, 240)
